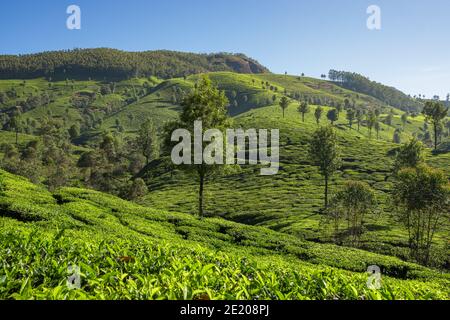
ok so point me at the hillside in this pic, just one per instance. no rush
(126, 251)
(109, 101)
(103, 63)
(390, 95)
(291, 201)
(78, 135)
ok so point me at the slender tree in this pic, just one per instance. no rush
(147, 141)
(435, 112)
(359, 117)
(350, 116)
(371, 120)
(378, 129)
(324, 152)
(303, 109)
(284, 103)
(318, 114)
(208, 105)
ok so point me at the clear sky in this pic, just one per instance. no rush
(410, 52)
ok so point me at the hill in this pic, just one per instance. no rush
(389, 95)
(265, 219)
(103, 63)
(126, 251)
(291, 201)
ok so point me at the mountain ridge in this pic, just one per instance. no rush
(106, 63)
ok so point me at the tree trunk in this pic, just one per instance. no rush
(303, 117)
(17, 137)
(200, 194)
(326, 191)
(435, 137)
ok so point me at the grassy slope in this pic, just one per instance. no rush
(290, 201)
(126, 251)
(158, 104)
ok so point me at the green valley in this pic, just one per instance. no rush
(86, 179)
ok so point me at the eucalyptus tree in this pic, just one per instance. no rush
(325, 154)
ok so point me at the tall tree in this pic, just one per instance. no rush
(15, 122)
(378, 128)
(359, 117)
(318, 114)
(350, 116)
(421, 196)
(333, 116)
(435, 112)
(324, 152)
(284, 103)
(208, 105)
(147, 141)
(371, 120)
(303, 109)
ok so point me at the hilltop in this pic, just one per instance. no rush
(104, 63)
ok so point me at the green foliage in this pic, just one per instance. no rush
(138, 189)
(422, 196)
(389, 95)
(333, 116)
(324, 152)
(318, 114)
(435, 112)
(115, 64)
(206, 104)
(303, 108)
(147, 141)
(354, 200)
(284, 103)
(410, 155)
(288, 203)
(126, 251)
(351, 114)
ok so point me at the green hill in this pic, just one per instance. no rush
(291, 201)
(104, 63)
(126, 251)
(359, 83)
(258, 228)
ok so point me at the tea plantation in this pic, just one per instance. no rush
(126, 251)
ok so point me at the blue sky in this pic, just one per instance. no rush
(410, 52)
